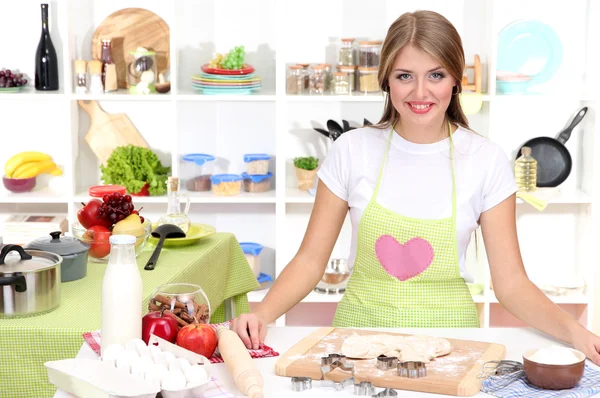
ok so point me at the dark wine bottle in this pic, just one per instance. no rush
(46, 61)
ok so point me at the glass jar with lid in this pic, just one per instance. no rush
(346, 55)
(295, 80)
(317, 80)
(341, 86)
(306, 71)
(369, 53)
(351, 72)
(142, 71)
(367, 78)
(328, 78)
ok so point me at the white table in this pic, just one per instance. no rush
(516, 340)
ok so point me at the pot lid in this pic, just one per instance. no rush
(13, 258)
(61, 245)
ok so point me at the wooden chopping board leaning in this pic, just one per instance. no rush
(109, 131)
(455, 373)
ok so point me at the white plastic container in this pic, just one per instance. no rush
(257, 163)
(252, 253)
(196, 170)
(256, 183)
(121, 294)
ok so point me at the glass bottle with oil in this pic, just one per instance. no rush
(174, 214)
(526, 171)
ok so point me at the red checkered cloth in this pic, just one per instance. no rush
(214, 389)
(93, 340)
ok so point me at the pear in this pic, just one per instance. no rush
(130, 225)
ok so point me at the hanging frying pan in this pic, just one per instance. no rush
(554, 161)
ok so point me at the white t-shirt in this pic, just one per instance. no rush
(417, 179)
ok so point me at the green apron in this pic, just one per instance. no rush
(406, 272)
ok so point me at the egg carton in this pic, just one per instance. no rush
(120, 375)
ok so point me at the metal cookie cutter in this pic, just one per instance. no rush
(306, 383)
(411, 369)
(332, 361)
(364, 388)
(388, 392)
(386, 363)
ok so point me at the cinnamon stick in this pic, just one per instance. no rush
(180, 321)
(167, 301)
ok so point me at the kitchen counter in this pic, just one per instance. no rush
(516, 340)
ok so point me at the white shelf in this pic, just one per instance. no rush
(294, 195)
(189, 94)
(202, 197)
(577, 298)
(45, 195)
(121, 95)
(30, 93)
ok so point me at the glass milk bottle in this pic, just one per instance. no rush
(121, 294)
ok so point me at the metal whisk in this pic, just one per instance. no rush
(499, 374)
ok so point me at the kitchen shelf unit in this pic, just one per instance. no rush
(273, 122)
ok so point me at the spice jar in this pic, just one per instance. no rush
(346, 56)
(306, 74)
(317, 80)
(80, 76)
(328, 78)
(367, 78)
(369, 53)
(341, 85)
(142, 71)
(295, 80)
(351, 72)
(96, 86)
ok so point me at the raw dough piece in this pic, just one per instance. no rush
(405, 348)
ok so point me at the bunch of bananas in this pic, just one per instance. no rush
(30, 164)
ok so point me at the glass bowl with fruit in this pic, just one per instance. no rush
(114, 214)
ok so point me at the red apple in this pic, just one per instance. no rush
(200, 338)
(88, 215)
(159, 324)
(99, 239)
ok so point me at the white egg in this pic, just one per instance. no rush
(175, 380)
(154, 351)
(161, 359)
(195, 374)
(140, 366)
(180, 364)
(111, 353)
(143, 351)
(169, 356)
(123, 362)
(135, 345)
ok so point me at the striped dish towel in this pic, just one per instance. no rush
(520, 387)
(93, 340)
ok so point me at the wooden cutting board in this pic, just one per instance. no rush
(129, 29)
(108, 131)
(453, 374)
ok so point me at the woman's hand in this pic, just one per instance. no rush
(588, 343)
(251, 328)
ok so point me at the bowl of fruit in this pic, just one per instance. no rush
(115, 214)
(11, 82)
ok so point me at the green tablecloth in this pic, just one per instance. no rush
(216, 263)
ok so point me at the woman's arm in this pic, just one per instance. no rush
(517, 293)
(305, 270)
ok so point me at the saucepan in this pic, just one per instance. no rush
(554, 162)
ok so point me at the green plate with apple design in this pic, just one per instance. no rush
(196, 232)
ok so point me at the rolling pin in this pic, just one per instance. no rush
(241, 366)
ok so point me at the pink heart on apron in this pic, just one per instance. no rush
(403, 261)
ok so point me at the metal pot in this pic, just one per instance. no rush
(73, 251)
(30, 281)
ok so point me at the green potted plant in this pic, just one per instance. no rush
(306, 170)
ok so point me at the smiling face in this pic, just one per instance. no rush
(420, 88)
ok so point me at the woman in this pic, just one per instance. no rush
(417, 185)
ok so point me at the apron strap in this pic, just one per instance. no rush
(387, 148)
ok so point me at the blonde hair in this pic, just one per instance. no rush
(432, 33)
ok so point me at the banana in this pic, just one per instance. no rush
(23, 157)
(56, 172)
(35, 169)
